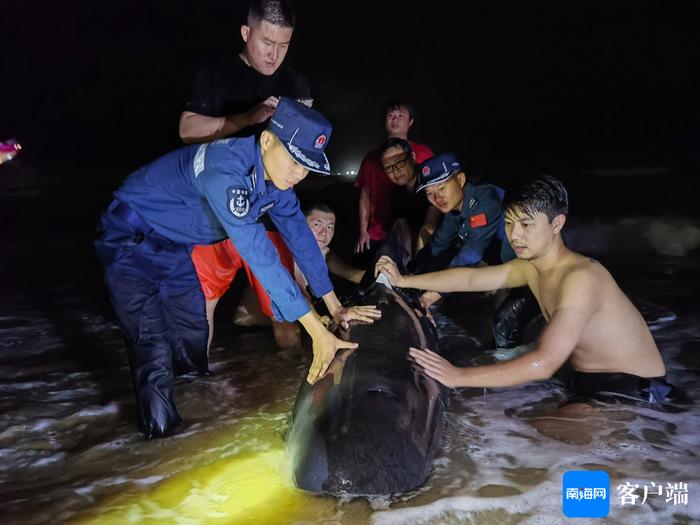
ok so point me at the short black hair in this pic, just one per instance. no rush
(277, 12)
(318, 206)
(396, 142)
(397, 103)
(543, 194)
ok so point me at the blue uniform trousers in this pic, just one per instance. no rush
(158, 299)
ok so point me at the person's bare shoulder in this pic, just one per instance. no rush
(523, 268)
(588, 266)
(583, 277)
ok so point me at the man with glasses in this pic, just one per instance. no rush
(375, 212)
(416, 219)
(472, 220)
(400, 166)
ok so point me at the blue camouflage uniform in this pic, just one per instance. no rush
(474, 226)
(198, 194)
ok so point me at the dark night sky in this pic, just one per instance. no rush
(96, 87)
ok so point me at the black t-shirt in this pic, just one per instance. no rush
(409, 205)
(227, 85)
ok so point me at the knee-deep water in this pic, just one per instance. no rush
(70, 451)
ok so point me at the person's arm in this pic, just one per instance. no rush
(202, 128)
(363, 238)
(432, 219)
(343, 315)
(483, 279)
(576, 304)
(255, 247)
(339, 267)
(291, 223)
(302, 283)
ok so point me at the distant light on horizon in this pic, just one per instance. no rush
(348, 171)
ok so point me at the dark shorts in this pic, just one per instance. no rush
(617, 386)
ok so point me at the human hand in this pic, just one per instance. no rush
(366, 313)
(429, 298)
(436, 367)
(362, 242)
(388, 268)
(384, 259)
(263, 111)
(325, 345)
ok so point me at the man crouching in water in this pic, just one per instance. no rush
(589, 319)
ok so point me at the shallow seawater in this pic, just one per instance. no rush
(70, 452)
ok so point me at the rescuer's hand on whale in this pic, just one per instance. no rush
(384, 259)
(366, 313)
(342, 315)
(388, 268)
(325, 345)
(436, 367)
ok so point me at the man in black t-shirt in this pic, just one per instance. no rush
(235, 95)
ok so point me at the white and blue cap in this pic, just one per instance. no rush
(437, 169)
(304, 132)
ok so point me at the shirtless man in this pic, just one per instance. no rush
(590, 320)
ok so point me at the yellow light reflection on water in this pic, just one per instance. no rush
(232, 475)
(252, 489)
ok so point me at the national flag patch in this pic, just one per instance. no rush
(477, 221)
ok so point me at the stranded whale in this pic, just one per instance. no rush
(373, 424)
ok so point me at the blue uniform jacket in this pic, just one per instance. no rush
(201, 194)
(476, 225)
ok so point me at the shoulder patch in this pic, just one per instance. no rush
(238, 201)
(477, 221)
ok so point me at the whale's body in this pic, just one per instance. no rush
(374, 423)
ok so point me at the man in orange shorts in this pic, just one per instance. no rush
(217, 265)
